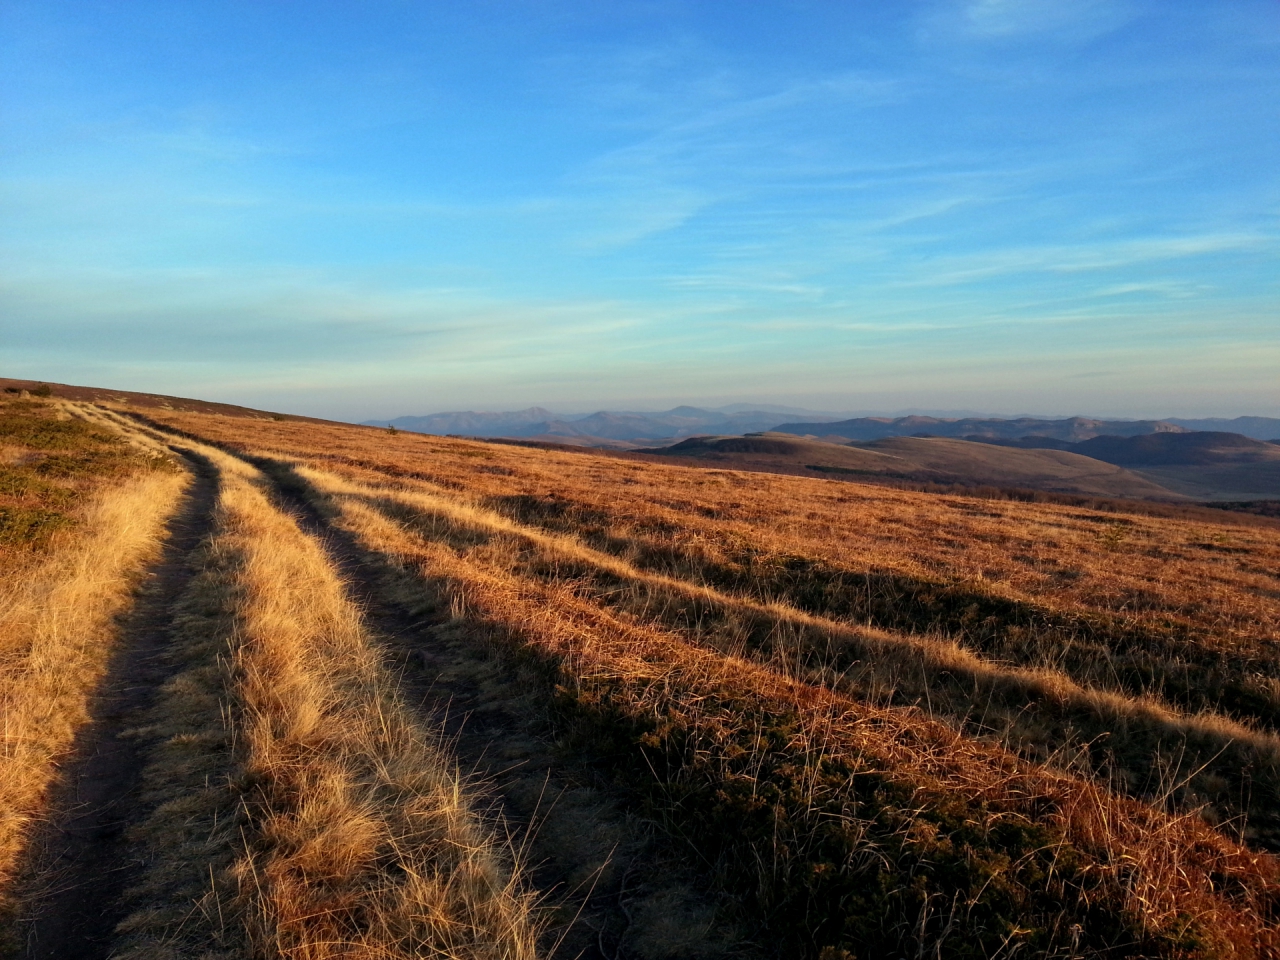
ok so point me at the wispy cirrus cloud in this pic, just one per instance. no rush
(1084, 257)
(1055, 20)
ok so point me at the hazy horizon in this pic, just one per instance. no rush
(370, 211)
(797, 411)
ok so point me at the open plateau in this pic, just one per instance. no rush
(281, 687)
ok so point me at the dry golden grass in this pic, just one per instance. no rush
(357, 837)
(1213, 584)
(878, 665)
(1181, 690)
(1158, 873)
(760, 658)
(56, 635)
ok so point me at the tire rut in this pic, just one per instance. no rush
(81, 864)
(616, 890)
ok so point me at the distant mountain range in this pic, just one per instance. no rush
(1072, 429)
(645, 429)
(604, 425)
(1260, 428)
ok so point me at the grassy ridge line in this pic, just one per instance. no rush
(849, 825)
(56, 634)
(1032, 705)
(357, 838)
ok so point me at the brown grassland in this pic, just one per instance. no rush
(871, 722)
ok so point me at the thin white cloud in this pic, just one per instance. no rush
(1082, 258)
(1068, 21)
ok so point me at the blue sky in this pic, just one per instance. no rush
(373, 209)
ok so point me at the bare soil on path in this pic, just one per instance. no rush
(80, 862)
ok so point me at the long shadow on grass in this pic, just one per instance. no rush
(828, 852)
(1094, 649)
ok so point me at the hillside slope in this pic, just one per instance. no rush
(1207, 465)
(834, 706)
(924, 460)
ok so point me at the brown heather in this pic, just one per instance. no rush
(882, 721)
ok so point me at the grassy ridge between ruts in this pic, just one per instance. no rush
(852, 829)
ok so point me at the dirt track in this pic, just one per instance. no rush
(614, 889)
(81, 862)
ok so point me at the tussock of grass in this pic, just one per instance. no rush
(851, 827)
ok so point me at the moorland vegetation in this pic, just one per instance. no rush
(877, 721)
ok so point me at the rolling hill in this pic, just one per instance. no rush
(924, 460)
(1199, 448)
(1259, 428)
(1207, 465)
